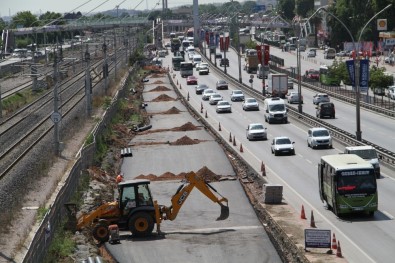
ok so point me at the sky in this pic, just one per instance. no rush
(37, 7)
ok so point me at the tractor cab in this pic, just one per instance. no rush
(133, 194)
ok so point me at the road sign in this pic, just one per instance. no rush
(56, 117)
(251, 76)
(251, 80)
(317, 238)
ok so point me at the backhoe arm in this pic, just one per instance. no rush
(183, 192)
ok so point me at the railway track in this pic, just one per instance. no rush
(22, 131)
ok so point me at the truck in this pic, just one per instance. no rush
(251, 60)
(136, 211)
(277, 85)
(175, 44)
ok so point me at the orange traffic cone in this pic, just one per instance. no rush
(201, 107)
(334, 244)
(263, 169)
(234, 141)
(339, 250)
(241, 148)
(230, 137)
(219, 126)
(312, 222)
(206, 114)
(188, 97)
(180, 86)
(177, 81)
(302, 214)
(262, 166)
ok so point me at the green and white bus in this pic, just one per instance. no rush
(186, 69)
(176, 61)
(327, 78)
(347, 183)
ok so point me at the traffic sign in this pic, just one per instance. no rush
(251, 76)
(251, 80)
(56, 117)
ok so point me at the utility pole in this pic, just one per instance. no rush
(56, 116)
(105, 67)
(88, 83)
(115, 56)
(1, 105)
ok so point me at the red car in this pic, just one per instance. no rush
(313, 74)
(192, 80)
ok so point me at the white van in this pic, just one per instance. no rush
(275, 110)
(367, 153)
(329, 53)
(196, 59)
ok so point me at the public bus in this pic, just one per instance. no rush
(327, 78)
(186, 69)
(347, 183)
(176, 61)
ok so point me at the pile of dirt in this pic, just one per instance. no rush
(189, 126)
(163, 97)
(160, 88)
(185, 140)
(164, 177)
(207, 174)
(157, 76)
(172, 110)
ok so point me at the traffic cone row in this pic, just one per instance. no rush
(334, 244)
(230, 137)
(234, 141)
(302, 213)
(312, 222)
(206, 114)
(339, 250)
(219, 126)
(201, 107)
(241, 148)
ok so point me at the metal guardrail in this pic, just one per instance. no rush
(386, 155)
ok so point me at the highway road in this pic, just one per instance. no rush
(363, 239)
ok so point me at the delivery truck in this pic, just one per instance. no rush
(277, 85)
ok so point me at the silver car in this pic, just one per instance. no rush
(207, 93)
(319, 137)
(293, 97)
(250, 104)
(320, 97)
(237, 95)
(282, 145)
(215, 98)
(223, 106)
(256, 131)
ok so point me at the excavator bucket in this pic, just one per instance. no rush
(224, 212)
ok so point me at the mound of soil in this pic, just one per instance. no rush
(207, 174)
(186, 127)
(163, 97)
(185, 140)
(157, 76)
(172, 110)
(160, 88)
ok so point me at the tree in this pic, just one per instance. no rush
(378, 78)
(287, 8)
(23, 19)
(303, 7)
(51, 18)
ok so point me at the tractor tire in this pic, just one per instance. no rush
(141, 224)
(100, 233)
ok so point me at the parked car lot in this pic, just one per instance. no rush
(192, 80)
(320, 97)
(256, 131)
(236, 95)
(281, 145)
(319, 137)
(250, 104)
(223, 106)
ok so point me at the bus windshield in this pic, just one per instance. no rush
(356, 182)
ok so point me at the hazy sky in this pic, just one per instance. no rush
(37, 7)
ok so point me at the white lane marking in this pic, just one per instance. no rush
(310, 162)
(388, 214)
(205, 230)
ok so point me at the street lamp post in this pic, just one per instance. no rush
(358, 133)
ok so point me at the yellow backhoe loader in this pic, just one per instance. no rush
(136, 210)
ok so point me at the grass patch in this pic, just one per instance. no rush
(61, 247)
(19, 99)
(41, 213)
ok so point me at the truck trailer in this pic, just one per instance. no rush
(277, 85)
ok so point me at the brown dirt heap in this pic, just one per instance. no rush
(172, 110)
(160, 88)
(157, 76)
(203, 172)
(185, 140)
(186, 127)
(207, 174)
(163, 97)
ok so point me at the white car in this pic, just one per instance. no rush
(215, 98)
(223, 106)
(317, 137)
(237, 95)
(256, 131)
(201, 65)
(204, 70)
(207, 93)
(250, 104)
(293, 97)
(320, 97)
(282, 144)
(190, 55)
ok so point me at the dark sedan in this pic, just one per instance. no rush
(221, 84)
(200, 88)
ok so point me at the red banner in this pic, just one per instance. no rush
(207, 38)
(227, 40)
(266, 57)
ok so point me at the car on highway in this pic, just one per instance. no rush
(325, 109)
(200, 88)
(290, 84)
(256, 131)
(167, 44)
(319, 137)
(250, 104)
(282, 144)
(207, 93)
(218, 55)
(320, 97)
(311, 53)
(342, 53)
(190, 55)
(223, 106)
(192, 80)
(293, 97)
(213, 100)
(201, 65)
(236, 95)
(391, 92)
(204, 69)
(221, 84)
(224, 62)
(312, 74)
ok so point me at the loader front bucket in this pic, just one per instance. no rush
(224, 212)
